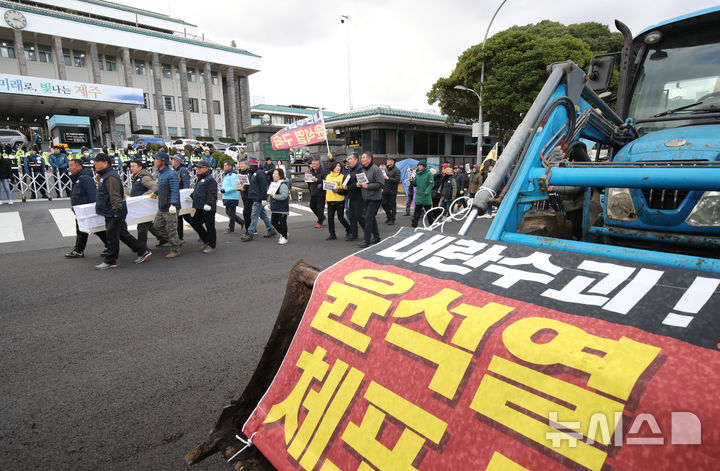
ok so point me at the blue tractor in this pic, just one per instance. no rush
(652, 190)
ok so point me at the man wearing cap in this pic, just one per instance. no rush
(204, 201)
(423, 182)
(142, 184)
(179, 163)
(207, 157)
(230, 195)
(257, 193)
(268, 168)
(83, 191)
(168, 196)
(111, 205)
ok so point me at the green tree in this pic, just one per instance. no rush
(515, 64)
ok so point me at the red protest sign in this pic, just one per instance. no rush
(301, 133)
(397, 366)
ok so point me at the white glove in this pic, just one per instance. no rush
(172, 210)
(207, 207)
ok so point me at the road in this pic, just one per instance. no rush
(128, 369)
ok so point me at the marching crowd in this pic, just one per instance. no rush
(351, 192)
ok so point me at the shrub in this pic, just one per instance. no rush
(204, 138)
(228, 140)
(144, 131)
(172, 151)
(220, 158)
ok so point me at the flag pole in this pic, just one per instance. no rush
(322, 119)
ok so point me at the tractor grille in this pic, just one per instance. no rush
(664, 199)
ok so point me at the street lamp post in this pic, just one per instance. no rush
(482, 80)
(480, 121)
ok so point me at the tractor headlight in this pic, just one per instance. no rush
(620, 205)
(706, 212)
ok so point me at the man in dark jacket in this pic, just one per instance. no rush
(389, 195)
(268, 168)
(257, 193)
(354, 196)
(142, 184)
(245, 171)
(110, 204)
(83, 192)
(204, 201)
(168, 197)
(59, 163)
(6, 177)
(317, 194)
(179, 163)
(372, 195)
(34, 166)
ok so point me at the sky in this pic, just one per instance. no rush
(397, 48)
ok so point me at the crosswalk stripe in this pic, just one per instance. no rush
(11, 227)
(64, 220)
(299, 206)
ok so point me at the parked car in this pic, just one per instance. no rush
(234, 150)
(179, 144)
(16, 139)
(221, 146)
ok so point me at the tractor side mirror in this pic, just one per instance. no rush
(600, 72)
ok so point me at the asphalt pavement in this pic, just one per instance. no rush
(128, 369)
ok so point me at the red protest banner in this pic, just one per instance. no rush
(301, 133)
(399, 365)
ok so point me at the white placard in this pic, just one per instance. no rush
(347, 179)
(273, 188)
(140, 209)
(329, 185)
(467, 168)
(243, 179)
(309, 178)
(361, 177)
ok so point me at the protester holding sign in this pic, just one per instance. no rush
(257, 192)
(242, 186)
(317, 195)
(335, 197)
(280, 204)
(354, 195)
(372, 186)
(230, 196)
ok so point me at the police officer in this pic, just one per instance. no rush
(115, 160)
(34, 167)
(86, 158)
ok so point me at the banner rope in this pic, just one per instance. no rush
(248, 443)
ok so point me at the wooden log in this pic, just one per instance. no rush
(222, 436)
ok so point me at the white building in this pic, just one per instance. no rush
(66, 57)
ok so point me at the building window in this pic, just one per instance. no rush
(110, 63)
(194, 108)
(196, 132)
(7, 50)
(379, 141)
(401, 142)
(180, 103)
(204, 105)
(120, 128)
(177, 73)
(45, 54)
(218, 133)
(146, 100)
(182, 131)
(216, 106)
(30, 52)
(101, 64)
(146, 128)
(191, 75)
(79, 58)
(214, 78)
(166, 71)
(201, 73)
(66, 57)
(169, 102)
(206, 132)
(458, 145)
(139, 67)
(172, 131)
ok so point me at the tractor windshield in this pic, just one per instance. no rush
(679, 76)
